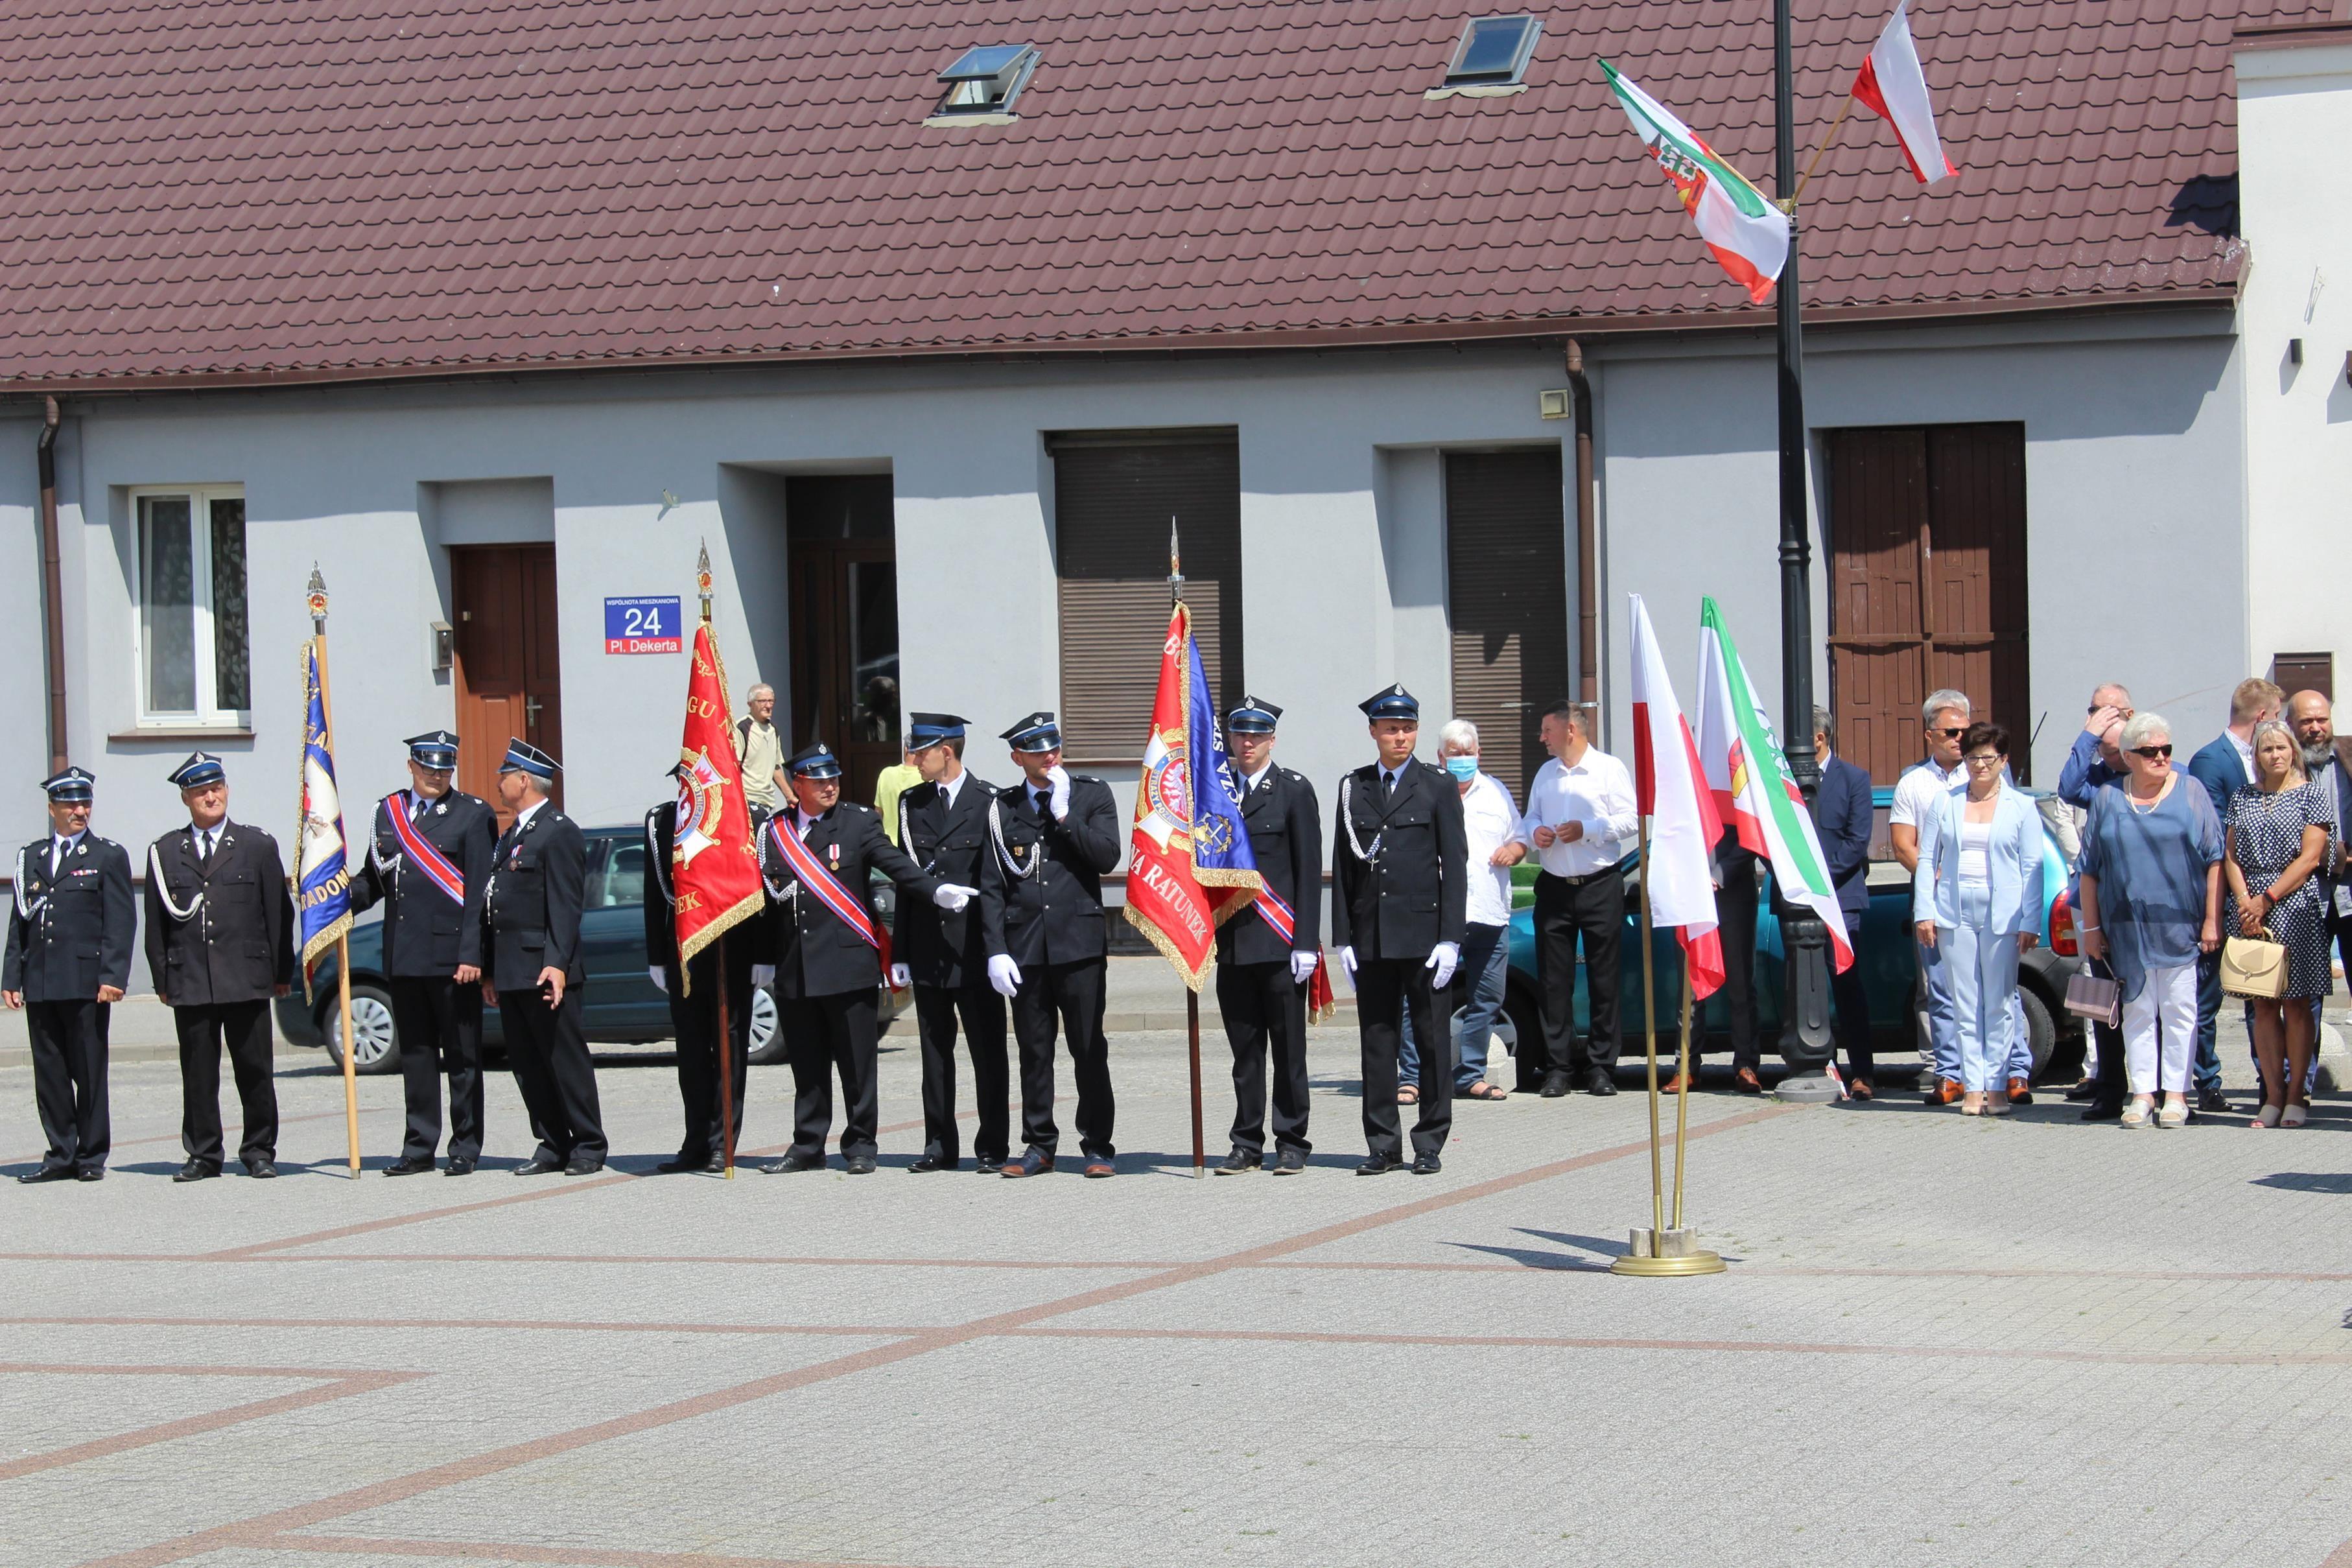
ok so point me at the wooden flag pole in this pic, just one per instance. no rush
(1191, 997)
(1682, 1105)
(342, 943)
(718, 948)
(1827, 136)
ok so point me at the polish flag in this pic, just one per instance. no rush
(1892, 85)
(1684, 825)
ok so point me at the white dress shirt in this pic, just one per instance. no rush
(2245, 750)
(1923, 784)
(1490, 822)
(1598, 793)
(207, 839)
(60, 846)
(951, 788)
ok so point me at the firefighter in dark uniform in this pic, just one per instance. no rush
(428, 861)
(538, 870)
(1398, 860)
(220, 944)
(943, 825)
(1051, 839)
(1267, 953)
(70, 929)
(694, 1008)
(817, 856)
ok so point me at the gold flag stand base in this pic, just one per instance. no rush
(1660, 1252)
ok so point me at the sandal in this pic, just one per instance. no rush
(1482, 1089)
(2140, 1113)
(2268, 1116)
(2175, 1113)
(2295, 1116)
(1409, 1095)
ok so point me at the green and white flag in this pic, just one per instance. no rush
(1754, 793)
(1749, 235)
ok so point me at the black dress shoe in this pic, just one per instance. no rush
(1240, 1161)
(792, 1165)
(2088, 1089)
(46, 1173)
(679, 1165)
(927, 1161)
(90, 1173)
(1600, 1081)
(2214, 1099)
(861, 1165)
(583, 1167)
(410, 1164)
(1290, 1162)
(196, 1170)
(261, 1170)
(537, 1166)
(459, 1164)
(1429, 1165)
(1555, 1084)
(1379, 1165)
(2104, 1111)
(982, 1165)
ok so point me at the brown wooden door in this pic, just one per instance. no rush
(1507, 596)
(845, 656)
(508, 673)
(1927, 586)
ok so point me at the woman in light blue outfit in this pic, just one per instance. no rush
(1978, 893)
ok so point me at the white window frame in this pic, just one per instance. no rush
(207, 714)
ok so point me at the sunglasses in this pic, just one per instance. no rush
(2153, 753)
(1950, 734)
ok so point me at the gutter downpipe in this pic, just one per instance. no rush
(1588, 540)
(53, 625)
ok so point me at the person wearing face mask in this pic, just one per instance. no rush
(1267, 953)
(70, 926)
(1491, 825)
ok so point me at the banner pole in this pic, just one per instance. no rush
(351, 1069)
(726, 1064)
(1192, 1039)
(1650, 1034)
(1682, 1105)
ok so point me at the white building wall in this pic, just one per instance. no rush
(23, 692)
(2294, 111)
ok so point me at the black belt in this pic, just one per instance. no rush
(1578, 880)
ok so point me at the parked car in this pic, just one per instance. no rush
(1888, 956)
(619, 1005)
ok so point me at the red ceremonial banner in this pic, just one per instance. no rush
(1165, 900)
(714, 865)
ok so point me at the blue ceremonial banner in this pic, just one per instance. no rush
(322, 882)
(1221, 843)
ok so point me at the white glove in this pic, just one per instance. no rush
(1060, 803)
(952, 898)
(653, 973)
(1443, 959)
(1004, 974)
(764, 974)
(1302, 965)
(1348, 962)
(900, 976)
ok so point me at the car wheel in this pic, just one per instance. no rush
(371, 1027)
(2040, 1030)
(767, 1045)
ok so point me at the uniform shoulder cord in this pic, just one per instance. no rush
(164, 889)
(1348, 821)
(1013, 867)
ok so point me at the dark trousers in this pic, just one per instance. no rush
(1735, 917)
(825, 1035)
(440, 1026)
(2107, 1048)
(244, 1028)
(1591, 911)
(1266, 1013)
(694, 1022)
(69, 1042)
(1850, 1005)
(555, 1075)
(2205, 1069)
(1073, 994)
(936, 1008)
(1385, 989)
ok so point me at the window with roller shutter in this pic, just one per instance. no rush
(1114, 493)
(1507, 597)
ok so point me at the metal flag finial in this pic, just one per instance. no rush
(1175, 565)
(316, 594)
(702, 579)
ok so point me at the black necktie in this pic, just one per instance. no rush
(205, 847)
(1039, 797)
(1389, 785)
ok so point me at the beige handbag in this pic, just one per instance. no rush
(2251, 967)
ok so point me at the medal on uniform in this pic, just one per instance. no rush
(833, 852)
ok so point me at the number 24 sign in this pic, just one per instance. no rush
(643, 626)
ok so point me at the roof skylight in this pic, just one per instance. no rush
(986, 80)
(1492, 52)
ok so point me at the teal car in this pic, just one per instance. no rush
(1888, 954)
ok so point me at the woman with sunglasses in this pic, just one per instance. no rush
(1976, 896)
(2151, 886)
(2276, 830)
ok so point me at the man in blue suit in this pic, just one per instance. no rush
(2224, 766)
(1843, 815)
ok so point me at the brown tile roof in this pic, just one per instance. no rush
(264, 189)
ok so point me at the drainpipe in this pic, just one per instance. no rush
(53, 615)
(1588, 539)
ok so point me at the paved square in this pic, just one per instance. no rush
(1940, 1342)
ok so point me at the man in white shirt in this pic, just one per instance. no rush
(1580, 820)
(1945, 715)
(1491, 823)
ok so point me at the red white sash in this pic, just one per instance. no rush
(432, 862)
(1277, 914)
(824, 883)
